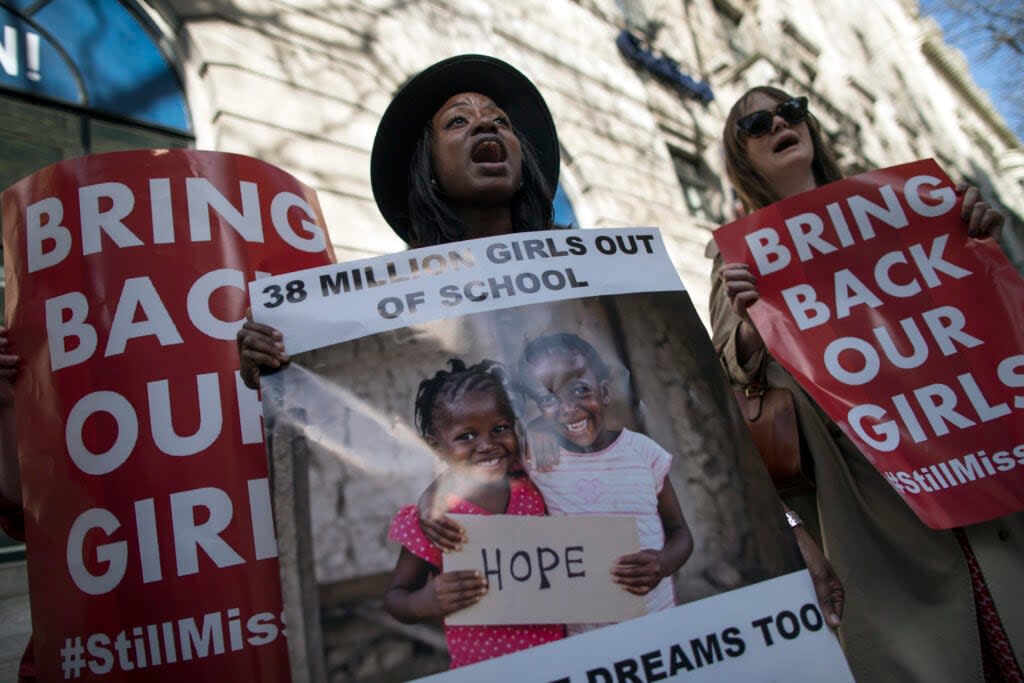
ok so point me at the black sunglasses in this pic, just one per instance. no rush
(758, 123)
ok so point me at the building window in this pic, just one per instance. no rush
(728, 29)
(866, 52)
(80, 78)
(908, 97)
(699, 186)
(98, 56)
(800, 38)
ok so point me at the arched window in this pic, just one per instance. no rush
(81, 77)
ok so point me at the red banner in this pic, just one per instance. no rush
(909, 334)
(150, 539)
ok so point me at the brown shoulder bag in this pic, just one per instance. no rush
(771, 417)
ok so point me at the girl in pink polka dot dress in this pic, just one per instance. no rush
(465, 415)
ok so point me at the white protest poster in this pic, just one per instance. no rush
(546, 570)
(440, 377)
(716, 640)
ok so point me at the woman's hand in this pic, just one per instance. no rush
(452, 591)
(639, 572)
(741, 288)
(542, 449)
(260, 347)
(982, 219)
(827, 585)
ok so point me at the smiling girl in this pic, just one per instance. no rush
(466, 418)
(603, 471)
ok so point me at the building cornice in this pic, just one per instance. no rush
(951, 65)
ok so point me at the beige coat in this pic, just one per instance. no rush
(909, 613)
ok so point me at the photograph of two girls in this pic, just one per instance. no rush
(603, 406)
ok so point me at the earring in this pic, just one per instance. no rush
(433, 181)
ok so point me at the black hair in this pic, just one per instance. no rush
(433, 222)
(448, 386)
(563, 344)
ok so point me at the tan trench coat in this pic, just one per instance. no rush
(909, 613)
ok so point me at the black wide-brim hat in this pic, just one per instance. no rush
(419, 99)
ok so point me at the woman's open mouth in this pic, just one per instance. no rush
(785, 142)
(489, 150)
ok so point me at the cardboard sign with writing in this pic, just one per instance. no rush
(905, 330)
(546, 570)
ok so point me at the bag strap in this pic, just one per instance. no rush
(754, 391)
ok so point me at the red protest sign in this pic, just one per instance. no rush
(150, 539)
(907, 333)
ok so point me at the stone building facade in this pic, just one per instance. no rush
(639, 90)
(302, 84)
